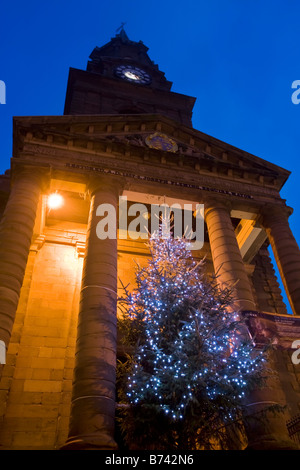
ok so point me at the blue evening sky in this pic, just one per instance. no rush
(237, 57)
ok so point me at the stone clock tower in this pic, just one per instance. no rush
(121, 79)
(124, 132)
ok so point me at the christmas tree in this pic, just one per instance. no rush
(190, 359)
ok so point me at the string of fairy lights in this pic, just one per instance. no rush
(192, 348)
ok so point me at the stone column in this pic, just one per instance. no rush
(93, 398)
(227, 259)
(274, 219)
(16, 230)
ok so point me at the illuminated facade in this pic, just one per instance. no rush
(124, 132)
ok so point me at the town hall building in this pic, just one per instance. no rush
(125, 133)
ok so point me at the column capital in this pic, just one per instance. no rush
(105, 182)
(271, 214)
(214, 202)
(41, 175)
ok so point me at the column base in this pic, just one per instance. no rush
(266, 430)
(270, 443)
(90, 442)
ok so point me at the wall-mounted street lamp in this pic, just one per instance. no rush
(55, 201)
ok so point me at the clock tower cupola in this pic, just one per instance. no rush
(121, 79)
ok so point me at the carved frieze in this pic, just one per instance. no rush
(66, 159)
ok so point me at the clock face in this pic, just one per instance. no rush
(133, 74)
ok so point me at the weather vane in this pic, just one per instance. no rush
(121, 27)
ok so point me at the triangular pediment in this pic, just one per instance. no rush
(153, 138)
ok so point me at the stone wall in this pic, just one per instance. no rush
(37, 379)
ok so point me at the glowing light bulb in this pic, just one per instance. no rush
(55, 201)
